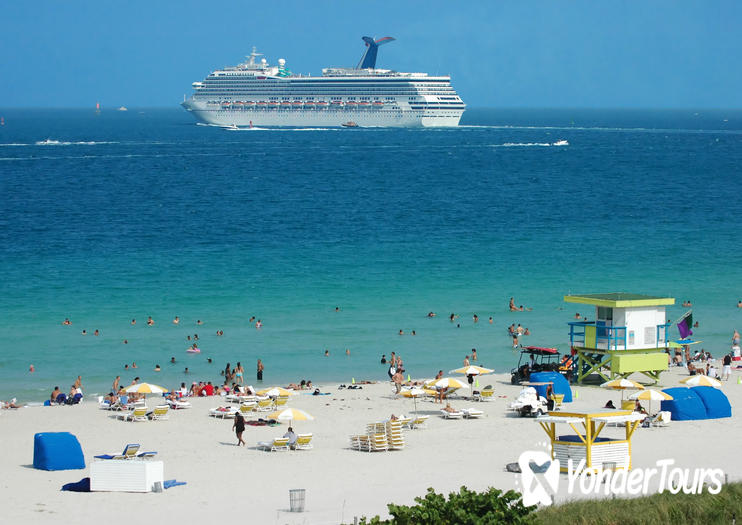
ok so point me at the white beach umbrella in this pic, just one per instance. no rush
(701, 380)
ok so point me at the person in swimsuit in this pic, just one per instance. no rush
(239, 428)
(260, 370)
(238, 373)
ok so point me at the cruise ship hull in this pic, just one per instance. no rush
(322, 117)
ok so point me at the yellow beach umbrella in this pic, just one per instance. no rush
(651, 395)
(146, 388)
(290, 414)
(472, 370)
(414, 393)
(701, 380)
(622, 384)
(446, 382)
(274, 392)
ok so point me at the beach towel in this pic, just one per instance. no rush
(78, 486)
(172, 483)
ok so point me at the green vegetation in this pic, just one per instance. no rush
(495, 506)
(658, 509)
(465, 507)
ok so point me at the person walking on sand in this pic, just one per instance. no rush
(239, 427)
(260, 370)
(398, 378)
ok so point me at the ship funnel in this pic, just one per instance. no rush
(368, 60)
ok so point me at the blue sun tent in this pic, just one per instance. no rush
(701, 402)
(560, 385)
(57, 451)
(716, 403)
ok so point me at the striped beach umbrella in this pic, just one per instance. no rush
(290, 414)
(622, 384)
(650, 395)
(701, 380)
(274, 392)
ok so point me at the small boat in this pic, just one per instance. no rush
(349, 124)
(123, 108)
(561, 143)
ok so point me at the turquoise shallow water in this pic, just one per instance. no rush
(146, 214)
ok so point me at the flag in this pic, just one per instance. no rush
(684, 325)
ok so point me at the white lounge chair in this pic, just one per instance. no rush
(472, 413)
(161, 413)
(223, 412)
(275, 445)
(138, 414)
(303, 442)
(457, 414)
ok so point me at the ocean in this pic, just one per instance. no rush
(125, 215)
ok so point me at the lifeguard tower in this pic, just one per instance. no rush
(628, 333)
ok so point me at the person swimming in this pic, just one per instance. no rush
(176, 320)
(67, 321)
(150, 321)
(157, 368)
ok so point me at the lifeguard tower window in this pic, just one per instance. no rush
(605, 314)
(650, 334)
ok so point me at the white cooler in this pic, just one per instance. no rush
(125, 475)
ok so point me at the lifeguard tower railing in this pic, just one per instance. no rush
(611, 351)
(592, 334)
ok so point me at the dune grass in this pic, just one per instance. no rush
(657, 509)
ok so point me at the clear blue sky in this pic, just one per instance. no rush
(587, 53)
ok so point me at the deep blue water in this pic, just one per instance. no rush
(146, 214)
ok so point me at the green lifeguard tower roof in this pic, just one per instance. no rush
(619, 299)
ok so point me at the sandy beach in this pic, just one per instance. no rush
(341, 483)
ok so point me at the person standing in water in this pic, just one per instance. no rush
(260, 370)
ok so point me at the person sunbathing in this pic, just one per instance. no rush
(448, 408)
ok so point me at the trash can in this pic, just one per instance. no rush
(296, 499)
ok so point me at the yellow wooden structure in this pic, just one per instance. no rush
(586, 443)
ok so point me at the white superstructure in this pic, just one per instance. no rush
(257, 94)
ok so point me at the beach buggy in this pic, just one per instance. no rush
(536, 359)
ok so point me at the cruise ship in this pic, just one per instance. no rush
(256, 94)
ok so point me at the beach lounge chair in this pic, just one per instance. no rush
(303, 442)
(275, 445)
(472, 413)
(138, 414)
(457, 414)
(264, 405)
(131, 451)
(223, 412)
(160, 413)
(177, 404)
(419, 422)
(281, 401)
(485, 394)
(405, 421)
(558, 399)
(660, 419)
(247, 408)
